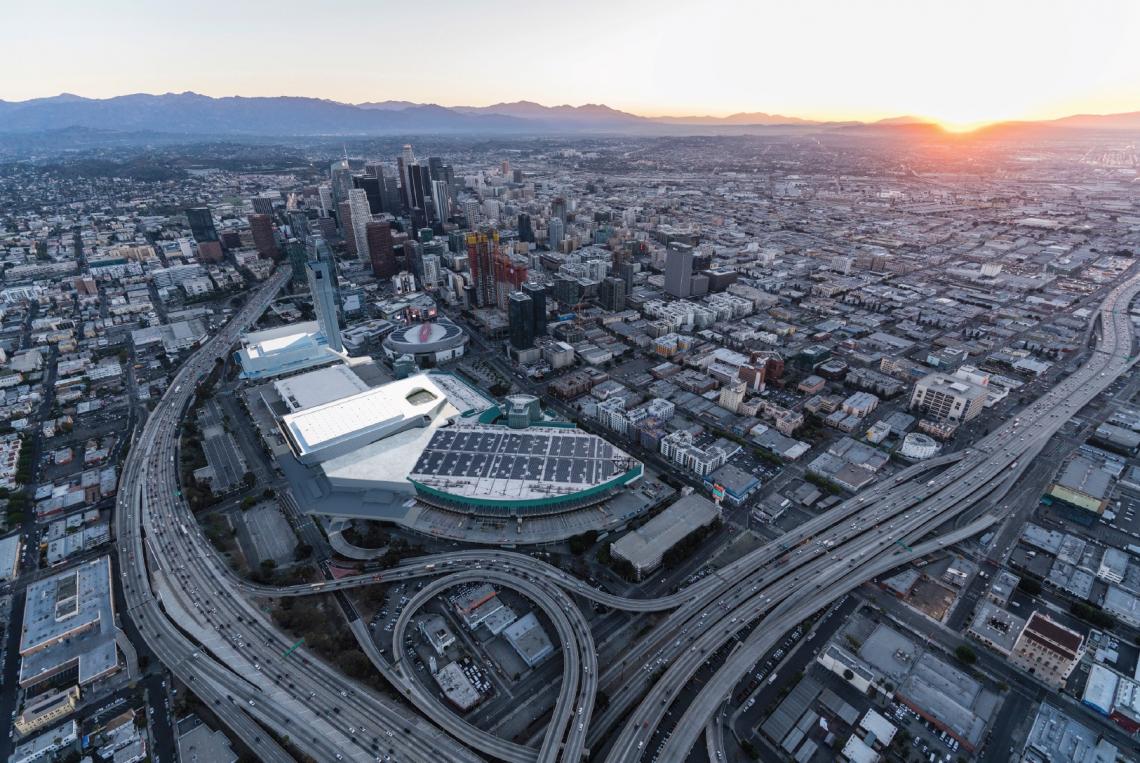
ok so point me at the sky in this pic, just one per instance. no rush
(961, 63)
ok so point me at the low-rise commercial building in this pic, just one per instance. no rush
(644, 547)
(1047, 649)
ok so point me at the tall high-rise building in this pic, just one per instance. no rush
(262, 205)
(555, 232)
(679, 270)
(441, 198)
(505, 168)
(537, 294)
(420, 182)
(372, 187)
(318, 249)
(435, 168)
(380, 249)
(261, 228)
(405, 160)
(558, 208)
(202, 224)
(299, 224)
(432, 271)
(526, 230)
(328, 206)
(298, 259)
(482, 249)
(520, 315)
(324, 302)
(471, 213)
(611, 294)
(340, 175)
(211, 251)
(414, 257)
(390, 194)
(361, 214)
(510, 274)
(344, 226)
(627, 273)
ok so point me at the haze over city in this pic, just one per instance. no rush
(961, 64)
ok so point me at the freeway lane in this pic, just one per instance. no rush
(300, 699)
(997, 452)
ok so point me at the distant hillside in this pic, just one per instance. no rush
(194, 114)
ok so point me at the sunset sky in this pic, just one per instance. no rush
(960, 63)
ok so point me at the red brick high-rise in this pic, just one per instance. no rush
(261, 227)
(380, 249)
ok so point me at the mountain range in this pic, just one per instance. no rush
(194, 114)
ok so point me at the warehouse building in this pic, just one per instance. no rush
(644, 547)
(69, 626)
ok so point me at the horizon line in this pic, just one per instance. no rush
(707, 114)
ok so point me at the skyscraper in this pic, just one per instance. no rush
(324, 302)
(344, 226)
(328, 206)
(435, 168)
(405, 160)
(340, 175)
(526, 230)
(481, 250)
(261, 227)
(361, 214)
(679, 270)
(471, 213)
(380, 249)
(555, 233)
(299, 224)
(262, 205)
(372, 186)
(520, 314)
(202, 224)
(537, 294)
(202, 227)
(390, 193)
(297, 258)
(420, 182)
(431, 271)
(558, 208)
(612, 294)
(441, 198)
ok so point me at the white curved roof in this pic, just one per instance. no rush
(328, 430)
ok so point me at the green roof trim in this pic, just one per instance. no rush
(528, 503)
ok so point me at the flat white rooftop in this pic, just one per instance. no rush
(308, 390)
(340, 426)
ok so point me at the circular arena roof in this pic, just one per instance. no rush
(425, 337)
(533, 470)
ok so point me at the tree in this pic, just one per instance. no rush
(847, 674)
(966, 654)
(1030, 585)
(581, 543)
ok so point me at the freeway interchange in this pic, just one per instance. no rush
(197, 615)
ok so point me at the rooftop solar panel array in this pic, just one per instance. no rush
(571, 457)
